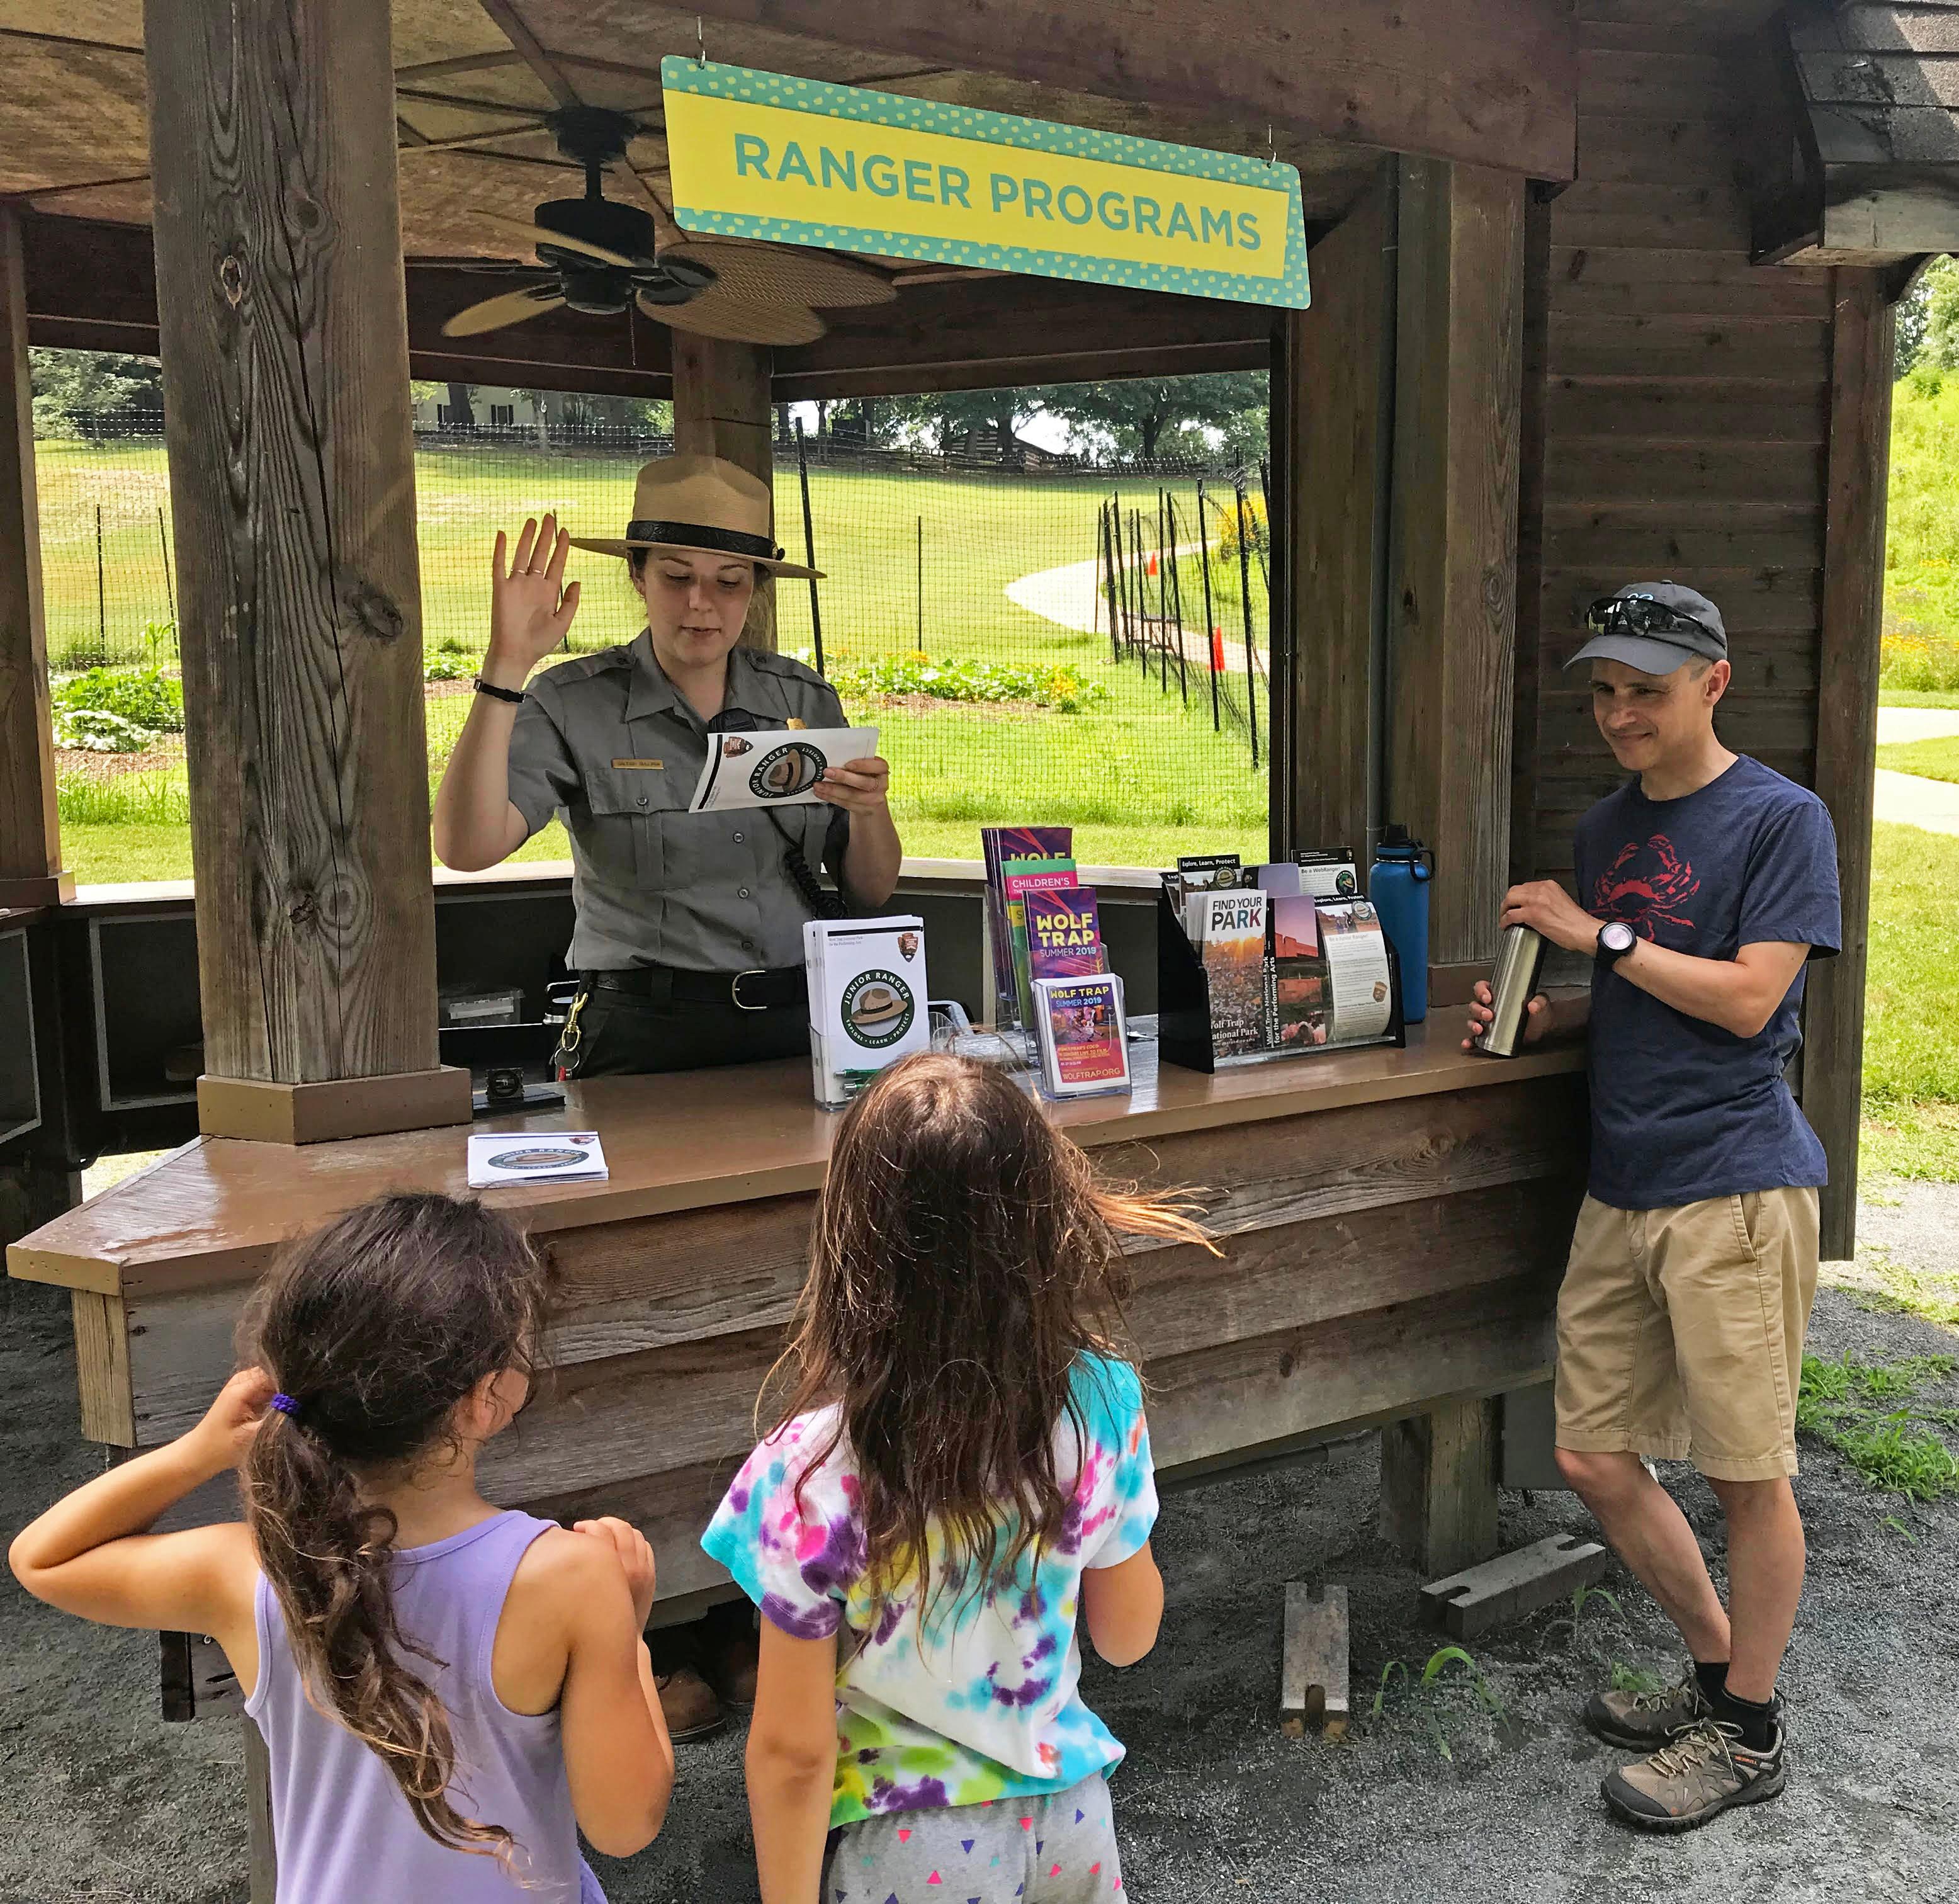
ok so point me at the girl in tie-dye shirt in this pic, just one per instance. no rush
(963, 1466)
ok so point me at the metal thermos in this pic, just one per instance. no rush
(1512, 986)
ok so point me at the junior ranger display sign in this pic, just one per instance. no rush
(768, 155)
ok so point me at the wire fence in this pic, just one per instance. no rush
(1032, 636)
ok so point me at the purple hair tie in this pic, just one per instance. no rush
(285, 1404)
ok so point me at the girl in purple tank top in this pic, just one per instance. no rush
(449, 1695)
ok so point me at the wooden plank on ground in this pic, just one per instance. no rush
(1312, 1661)
(1475, 1600)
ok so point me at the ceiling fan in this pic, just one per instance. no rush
(599, 256)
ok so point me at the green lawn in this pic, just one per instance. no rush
(1911, 1023)
(1141, 775)
(1933, 760)
(1918, 698)
(1921, 636)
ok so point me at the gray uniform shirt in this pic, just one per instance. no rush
(608, 741)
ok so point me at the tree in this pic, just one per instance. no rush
(1939, 288)
(1138, 415)
(89, 393)
(946, 417)
(461, 407)
(1909, 333)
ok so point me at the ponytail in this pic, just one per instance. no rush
(376, 1328)
(326, 1556)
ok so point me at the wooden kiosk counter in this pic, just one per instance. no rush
(1394, 1224)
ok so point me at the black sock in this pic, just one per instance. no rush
(1713, 1677)
(1757, 1721)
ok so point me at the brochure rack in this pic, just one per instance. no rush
(1186, 1034)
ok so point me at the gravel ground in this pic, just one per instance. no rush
(1437, 1797)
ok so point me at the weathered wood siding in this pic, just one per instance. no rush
(1686, 406)
(1377, 1258)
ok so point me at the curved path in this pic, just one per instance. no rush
(1911, 800)
(1071, 595)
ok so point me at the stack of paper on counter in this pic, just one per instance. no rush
(1359, 989)
(867, 1000)
(1084, 1044)
(1023, 849)
(498, 1157)
(1231, 942)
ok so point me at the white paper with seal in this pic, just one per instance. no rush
(775, 767)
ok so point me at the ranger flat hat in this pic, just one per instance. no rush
(703, 505)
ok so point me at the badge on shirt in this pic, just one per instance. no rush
(651, 765)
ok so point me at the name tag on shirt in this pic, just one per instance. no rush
(650, 764)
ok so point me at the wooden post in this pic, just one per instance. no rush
(264, 1853)
(1329, 408)
(1846, 725)
(1532, 429)
(1452, 558)
(31, 865)
(1439, 1485)
(721, 407)
(283, 339)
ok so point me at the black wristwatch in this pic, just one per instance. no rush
(1616, 938)
(515, 696)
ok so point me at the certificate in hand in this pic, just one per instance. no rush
(777, 767)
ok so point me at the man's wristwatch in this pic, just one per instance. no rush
(1616, 938)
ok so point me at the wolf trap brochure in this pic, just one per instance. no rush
(867, 1000)
(775, 767)
(1085, 1051)
(500, 1157)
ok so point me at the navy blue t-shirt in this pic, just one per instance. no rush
(1682, 1110)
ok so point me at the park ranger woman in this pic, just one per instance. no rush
(688, 939)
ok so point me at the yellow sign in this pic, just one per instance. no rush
(763, 155)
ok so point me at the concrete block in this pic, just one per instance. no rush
(1475, 1602)
(1312, 1670)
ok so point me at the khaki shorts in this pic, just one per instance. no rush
(1680, 1331)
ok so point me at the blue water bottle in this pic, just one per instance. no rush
(1397, 884)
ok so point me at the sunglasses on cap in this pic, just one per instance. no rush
(1641, 615)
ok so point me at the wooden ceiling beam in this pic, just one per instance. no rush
(68, 39)
(92, 286)
(1494, 82)
(510, 24)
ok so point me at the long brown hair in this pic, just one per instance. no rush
(376, 1328)
(964, 1254)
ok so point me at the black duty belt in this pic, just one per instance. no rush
(758, 990)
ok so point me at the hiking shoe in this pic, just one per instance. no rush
(687, 1701)
(1700, 1775)
(1645, 1721)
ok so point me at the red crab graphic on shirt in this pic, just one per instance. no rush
(1646, 886)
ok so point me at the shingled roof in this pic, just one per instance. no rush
(1855, 159)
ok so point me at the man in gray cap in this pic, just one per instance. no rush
(1705, 884)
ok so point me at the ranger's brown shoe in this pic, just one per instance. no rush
(1702, 1774)
(692, 1711)
(1645, 1721)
